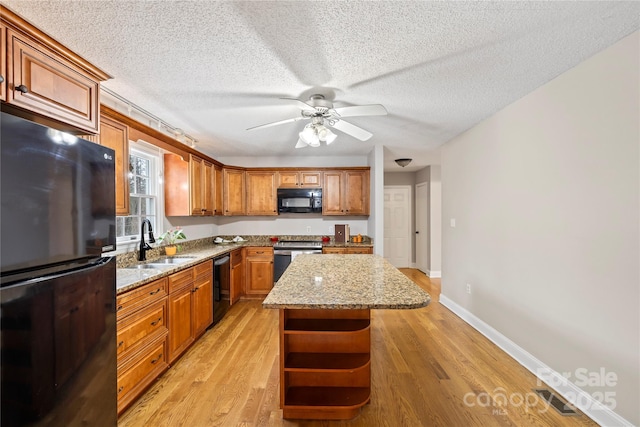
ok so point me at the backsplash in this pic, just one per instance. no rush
(131, 258)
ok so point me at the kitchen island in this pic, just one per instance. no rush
(325, 304)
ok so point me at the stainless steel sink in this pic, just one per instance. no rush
(173, 260)
(145, 266)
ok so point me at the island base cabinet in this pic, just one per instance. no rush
(325, 364)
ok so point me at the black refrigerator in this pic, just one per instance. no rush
(57, 291)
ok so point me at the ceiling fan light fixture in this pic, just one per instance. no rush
(403, 162)
(301, 144)
(330, 137)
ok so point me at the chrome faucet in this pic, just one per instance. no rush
(142, 255)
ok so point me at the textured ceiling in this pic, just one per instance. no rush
(215, 69)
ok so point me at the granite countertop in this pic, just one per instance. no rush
(345, 282)
(130, 278)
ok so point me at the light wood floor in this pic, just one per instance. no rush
(429, 368)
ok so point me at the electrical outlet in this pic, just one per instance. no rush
(308, 229)
(468, 288)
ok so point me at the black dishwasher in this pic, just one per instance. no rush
(221, 287)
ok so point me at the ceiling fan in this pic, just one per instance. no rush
(322, 114)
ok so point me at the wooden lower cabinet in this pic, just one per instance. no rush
(237, 276)
(190, 306)
(157, 322)
(325, 363)
(202, 298)
(139, 371)
(348, 250)
(141, 339)
(259, 271)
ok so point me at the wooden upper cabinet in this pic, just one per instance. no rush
(332, 193)
(201, 186)
(45, 78)
(3, 62)
(299, 179)
(234, 192)
(176, 186)
(188, 186)
(261, 193)
(217, 190)
(346, 192)
(115, 135)
(196, 185)
(356, 193)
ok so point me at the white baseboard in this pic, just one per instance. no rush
(572, 393)
(434, 274)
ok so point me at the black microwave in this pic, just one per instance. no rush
(299, 200)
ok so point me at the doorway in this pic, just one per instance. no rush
(422, 227)
(397, 225)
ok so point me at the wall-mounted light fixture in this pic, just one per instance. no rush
(403, 162)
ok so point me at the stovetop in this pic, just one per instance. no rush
(298, 244)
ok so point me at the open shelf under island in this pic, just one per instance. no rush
(325, 304)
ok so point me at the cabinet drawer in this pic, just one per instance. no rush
(140, 371)
(259, 251)
(135, 299)
(204, 268)
(181, 279)
(140, 328)
(359, 250)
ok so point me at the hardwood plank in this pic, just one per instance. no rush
(423, 364)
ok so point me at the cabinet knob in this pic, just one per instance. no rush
(120, 389)
(22, 89)
(1, 79)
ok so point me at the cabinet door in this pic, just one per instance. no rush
(176, 185)
(356, 200)
(217, 190)
(180, 326)
(53, 87)
(259, 278)
(207, 188)
(288, 179)
(202, 302)
(332, 194)
(234, 192)
(310, 179)
(237, 275)
(3, 63)
(115, 135)
(195, 185)
(261, 193)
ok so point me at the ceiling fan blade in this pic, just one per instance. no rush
(352, 130)
(281, 122)
(302, 105)
(361, 110)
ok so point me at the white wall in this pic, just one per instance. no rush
(435, 220)
(376, 217)
(546, 200)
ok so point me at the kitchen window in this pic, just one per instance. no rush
(144, 167)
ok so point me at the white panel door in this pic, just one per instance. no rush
(397, 225)
(422, 231)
